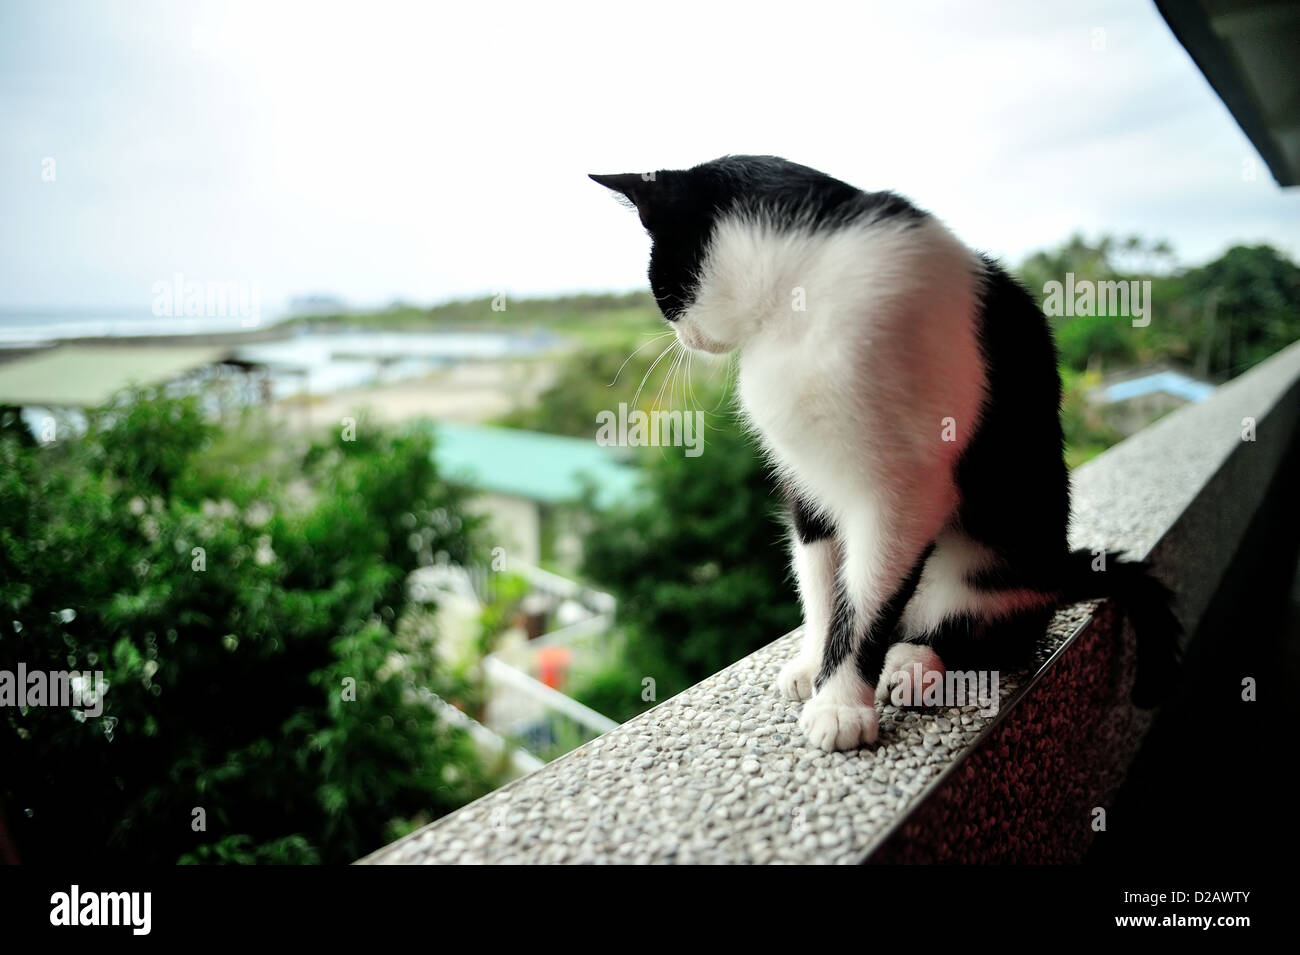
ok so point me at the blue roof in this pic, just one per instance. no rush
(1170, 382)
(547, 468)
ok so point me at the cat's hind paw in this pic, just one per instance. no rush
(838, 726)
(909, 668)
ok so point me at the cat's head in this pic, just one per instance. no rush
(684, 212)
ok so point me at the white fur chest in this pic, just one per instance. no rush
(802, 409)
(855, 348)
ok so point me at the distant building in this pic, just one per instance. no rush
(529, 482)
(1132, 400)
(78, 377)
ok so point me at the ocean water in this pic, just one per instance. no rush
(322, 362)
(23, 328)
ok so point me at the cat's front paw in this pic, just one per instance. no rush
(833, 726)
(795, 681)
(909, 668)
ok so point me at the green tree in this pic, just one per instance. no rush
(1245, 306)
(700, 567)
(1217, 320)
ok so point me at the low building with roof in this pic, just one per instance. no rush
(1131, 400)
(78, 377)
(88, 376)
(531, 484)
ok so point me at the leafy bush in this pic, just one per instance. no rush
(244, 624)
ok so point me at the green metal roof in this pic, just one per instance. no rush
(81, 376)
(539, 467)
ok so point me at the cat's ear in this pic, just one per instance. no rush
(637, 187)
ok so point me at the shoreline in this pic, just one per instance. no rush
(469, 392)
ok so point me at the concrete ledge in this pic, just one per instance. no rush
(722, 774)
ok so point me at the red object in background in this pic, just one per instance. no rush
(553, 665)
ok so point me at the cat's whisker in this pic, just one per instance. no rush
(690, 385)
(689, 394)
(672, 389)
(732, 373)
(650, 371)
(686, 384)
(686, 379)
(668, 377)
(634, 354)
(695, 402)
(672, 377)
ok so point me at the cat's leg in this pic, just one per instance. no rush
(877, 583)
(932, 621)
(816, 557)
(943, 619)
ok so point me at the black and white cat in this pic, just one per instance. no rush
(905, 389)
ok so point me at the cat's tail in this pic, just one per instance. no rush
(1146, 602)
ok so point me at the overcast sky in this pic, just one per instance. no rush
(430, 151)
